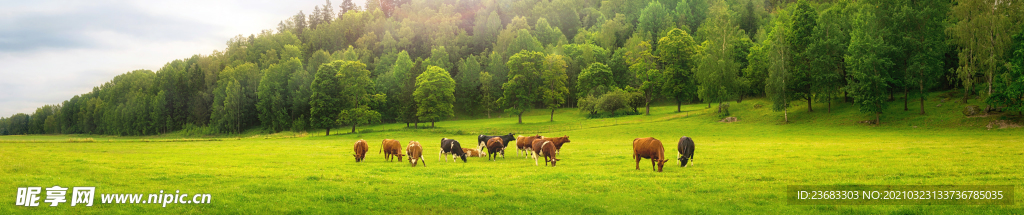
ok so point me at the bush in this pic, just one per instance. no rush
(611, 102)
(193, 130)
(588, 104)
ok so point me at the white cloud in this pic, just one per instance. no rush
(51, 51)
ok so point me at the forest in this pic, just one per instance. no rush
(420, 61)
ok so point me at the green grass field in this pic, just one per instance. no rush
(742, 167)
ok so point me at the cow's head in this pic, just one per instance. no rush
(412, 161)
(661, 163)
(357, 157)
(463, 156)
(399, 157)
(683, 160)
(553, 161)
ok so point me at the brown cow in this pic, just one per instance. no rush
(391, 148)
(525, 144)
(361, 149)
(472, 152)
(558, 141)
(415, 152)
(495, 145)
(651, 148)
(548, 150)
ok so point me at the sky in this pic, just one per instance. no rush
(51, 51)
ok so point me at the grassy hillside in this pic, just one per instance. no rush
(740, 167)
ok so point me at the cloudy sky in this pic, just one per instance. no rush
(51, 51)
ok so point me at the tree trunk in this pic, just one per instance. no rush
(431, 124)
(906, 98)
(520, 117)
(328, 132)
(921, 84)
(407, 125)
(679, 104)
(647, 105)
(878, 118)
(416, 125)
(552, 114)
(809, 107)
(830, 104)
(353, 128)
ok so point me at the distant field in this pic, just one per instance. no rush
(740, 167)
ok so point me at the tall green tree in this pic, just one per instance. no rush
(594, 77)
(553, 90)
(922, 43)
(356, 94)
(1009, 90)
(488, 96)
(655, 20)
(677, 51)
(435, 94)
(867, 61)
(717, 71)
(804, 20)
(643, 64)
(777, 46)
(468, 85)
(522, 89)
(274, 98)
(828, 46)
(981, 29)
(325, 102)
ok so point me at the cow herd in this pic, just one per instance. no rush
(531, 146)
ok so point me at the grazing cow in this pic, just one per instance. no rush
(525, 144)
(472, 152)
(685, 151)
(558, 141)
(651, 148)
(391, 148)
(361, 149)
(451, 146)
(482, 140)
(415, 152)
(548, 150)
(495, 146)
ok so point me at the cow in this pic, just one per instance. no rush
(472, 152)
(558, 141)
(482, 140)
(548, 150)
(651, 148)
(494, 147)
(451, 146)
(415, 152)
(361, 149)
(391, 148)
(525, 144)
(685, 151)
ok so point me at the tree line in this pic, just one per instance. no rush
(418, 61)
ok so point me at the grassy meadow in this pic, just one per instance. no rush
(740, 167)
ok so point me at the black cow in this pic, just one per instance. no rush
(481, 141)
(685, 150)
(451, 146)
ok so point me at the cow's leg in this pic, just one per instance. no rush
(653, 164)
(439, 154)
(637, 161)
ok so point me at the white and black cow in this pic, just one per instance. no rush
(451, 146)
(481, 141)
